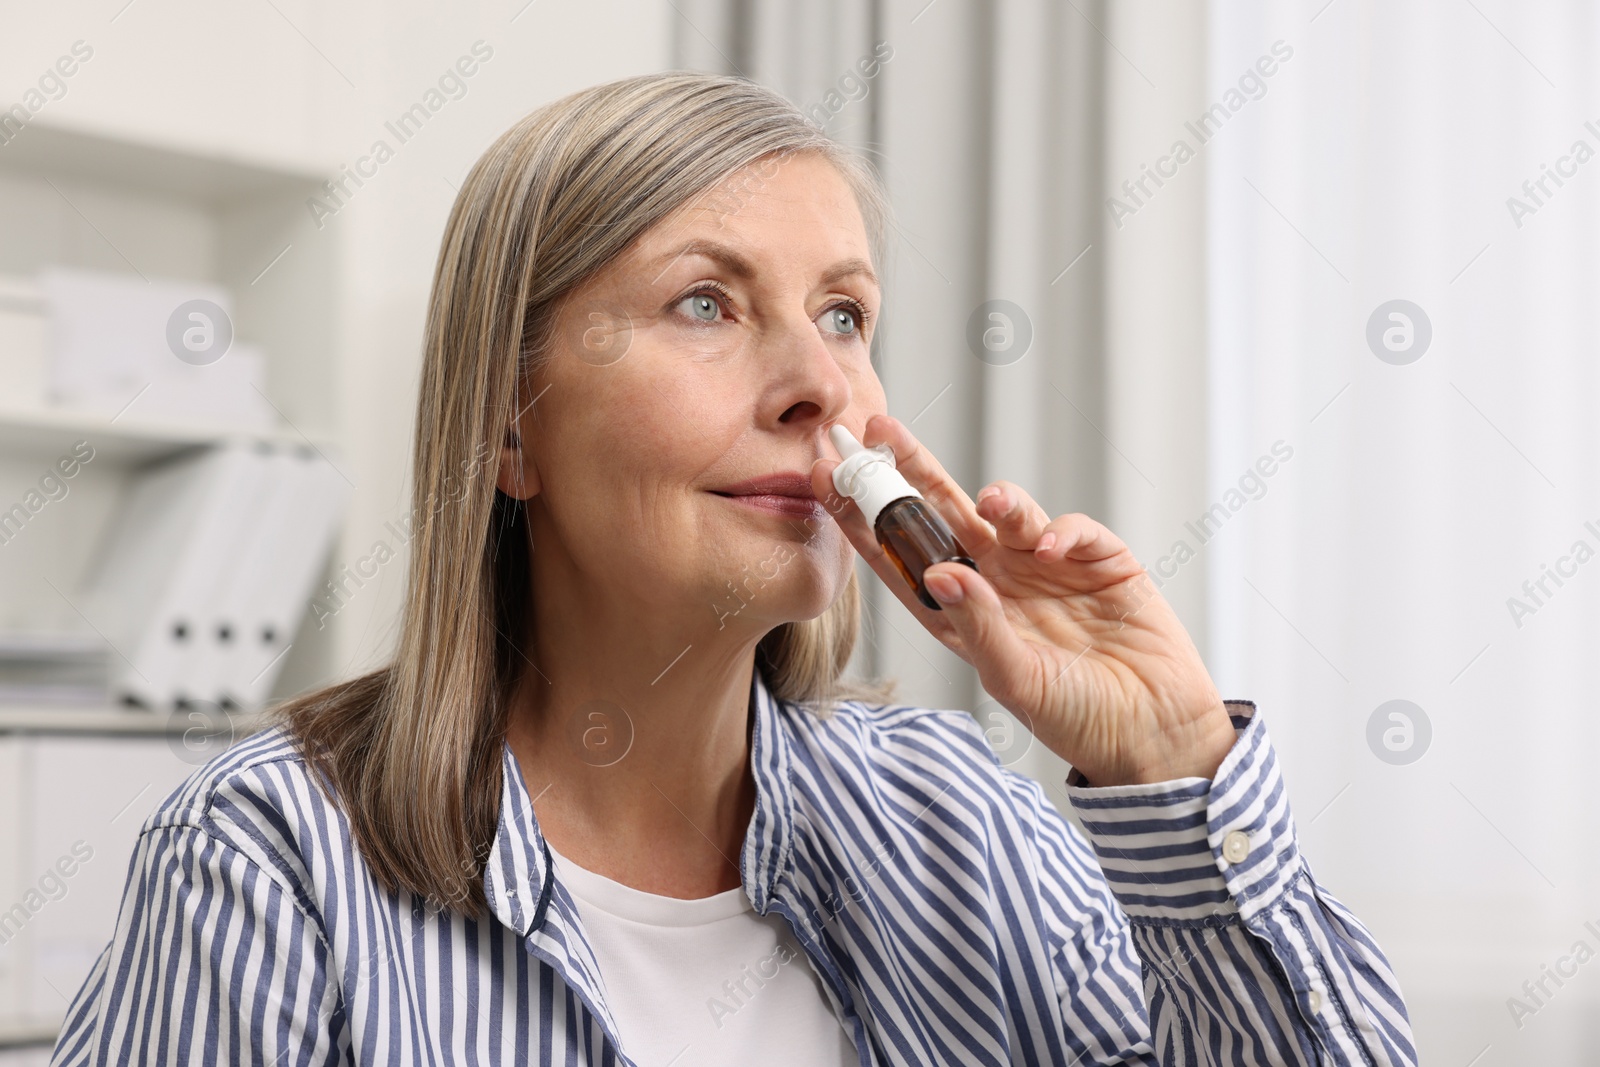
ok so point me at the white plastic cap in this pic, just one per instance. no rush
(867, 475)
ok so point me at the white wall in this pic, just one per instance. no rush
(1379, 562)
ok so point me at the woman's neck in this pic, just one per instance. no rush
(640, 775)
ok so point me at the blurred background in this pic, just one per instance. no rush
(1299, 299)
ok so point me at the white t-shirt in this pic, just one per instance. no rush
(704, 982)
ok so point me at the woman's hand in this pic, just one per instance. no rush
(1062, 624)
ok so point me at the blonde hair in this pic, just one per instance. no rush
(412, 751)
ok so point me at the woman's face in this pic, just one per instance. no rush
(718, 349)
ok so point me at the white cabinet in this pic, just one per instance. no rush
(13, 843)
(71, 808)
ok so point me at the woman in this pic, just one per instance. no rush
(611, 801)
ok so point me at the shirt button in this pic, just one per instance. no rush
(1236, 846)
(1316, 1001)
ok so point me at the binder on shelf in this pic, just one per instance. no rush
(224, 618)
(181, 523)
(264, 601)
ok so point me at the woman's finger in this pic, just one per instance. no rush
(1079, 537)
(1018, 520)
(923, 471)
(988, 639)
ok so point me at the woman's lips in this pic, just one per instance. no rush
(798, 507)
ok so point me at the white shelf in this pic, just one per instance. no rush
(105, 719)
(61, 151)
(26, 1035)
(46, 433)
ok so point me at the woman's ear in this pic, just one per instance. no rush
(517, 476)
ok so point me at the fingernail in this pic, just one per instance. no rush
(944, 588)
(1047, 542)
(986, 492)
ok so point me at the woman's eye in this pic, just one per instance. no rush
(701, 306)
(840, 320)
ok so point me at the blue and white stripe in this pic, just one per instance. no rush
(952, 914)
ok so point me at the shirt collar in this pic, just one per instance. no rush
(518, 879)
(765, 856)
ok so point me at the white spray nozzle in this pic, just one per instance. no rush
(867, 475)
(843, 440)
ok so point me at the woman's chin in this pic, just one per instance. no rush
(795, 592)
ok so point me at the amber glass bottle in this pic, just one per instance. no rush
(906, 526)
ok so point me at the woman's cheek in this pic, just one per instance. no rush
(719, 351)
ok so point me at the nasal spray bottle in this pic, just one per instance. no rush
(911, 533)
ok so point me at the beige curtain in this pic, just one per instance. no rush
(1001, 130)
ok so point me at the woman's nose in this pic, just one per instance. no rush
(811, 387)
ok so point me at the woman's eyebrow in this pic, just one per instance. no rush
(740, 267)
(848, 268)
(736, 264)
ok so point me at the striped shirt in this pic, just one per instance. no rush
(951, 913)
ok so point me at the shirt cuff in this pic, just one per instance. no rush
(1196, 850)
